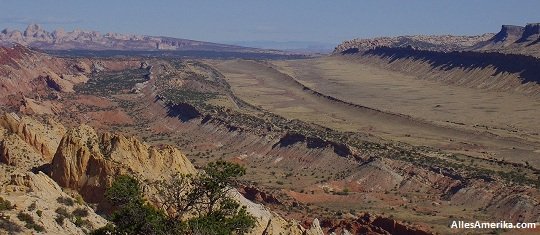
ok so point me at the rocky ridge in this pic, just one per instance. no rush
(511, 39)
(422, 42)
(474, 69)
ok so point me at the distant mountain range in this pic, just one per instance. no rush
(35, 36)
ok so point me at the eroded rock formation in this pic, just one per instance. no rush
(88, 162)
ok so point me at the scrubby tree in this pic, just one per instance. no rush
(132, 215)
(190, 204)
(205, 199)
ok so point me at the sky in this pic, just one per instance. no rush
(322, 21)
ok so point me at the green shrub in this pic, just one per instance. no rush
(345, 191)
(80, 212)
(105, 230)
(62, 211)
(80, 222)
(66, 201)
(124, 190)
(32, 206)
(5, 204)
(204, 193)
(79, 200)
(60, 219)
(25, 217)
(61, 214)
(30, 223)
(9, 226)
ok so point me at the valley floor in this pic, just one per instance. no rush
(394, 106)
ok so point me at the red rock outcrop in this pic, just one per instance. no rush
(256, 195)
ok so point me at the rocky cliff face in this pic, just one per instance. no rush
(36, 36)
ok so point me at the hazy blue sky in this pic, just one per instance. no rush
(287, 20)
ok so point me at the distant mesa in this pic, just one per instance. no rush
(516, 34)
(531, 33)
(508, 33)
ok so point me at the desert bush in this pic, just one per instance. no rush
(62, 211)
(32, 206)
(80, 222)
(9, 226)
(5, 204)
(59, 219)
(61, 214)
(79, 199)
(30, 223)
(345, 191)
(65, 200)
(80, 212)
(204, 197)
